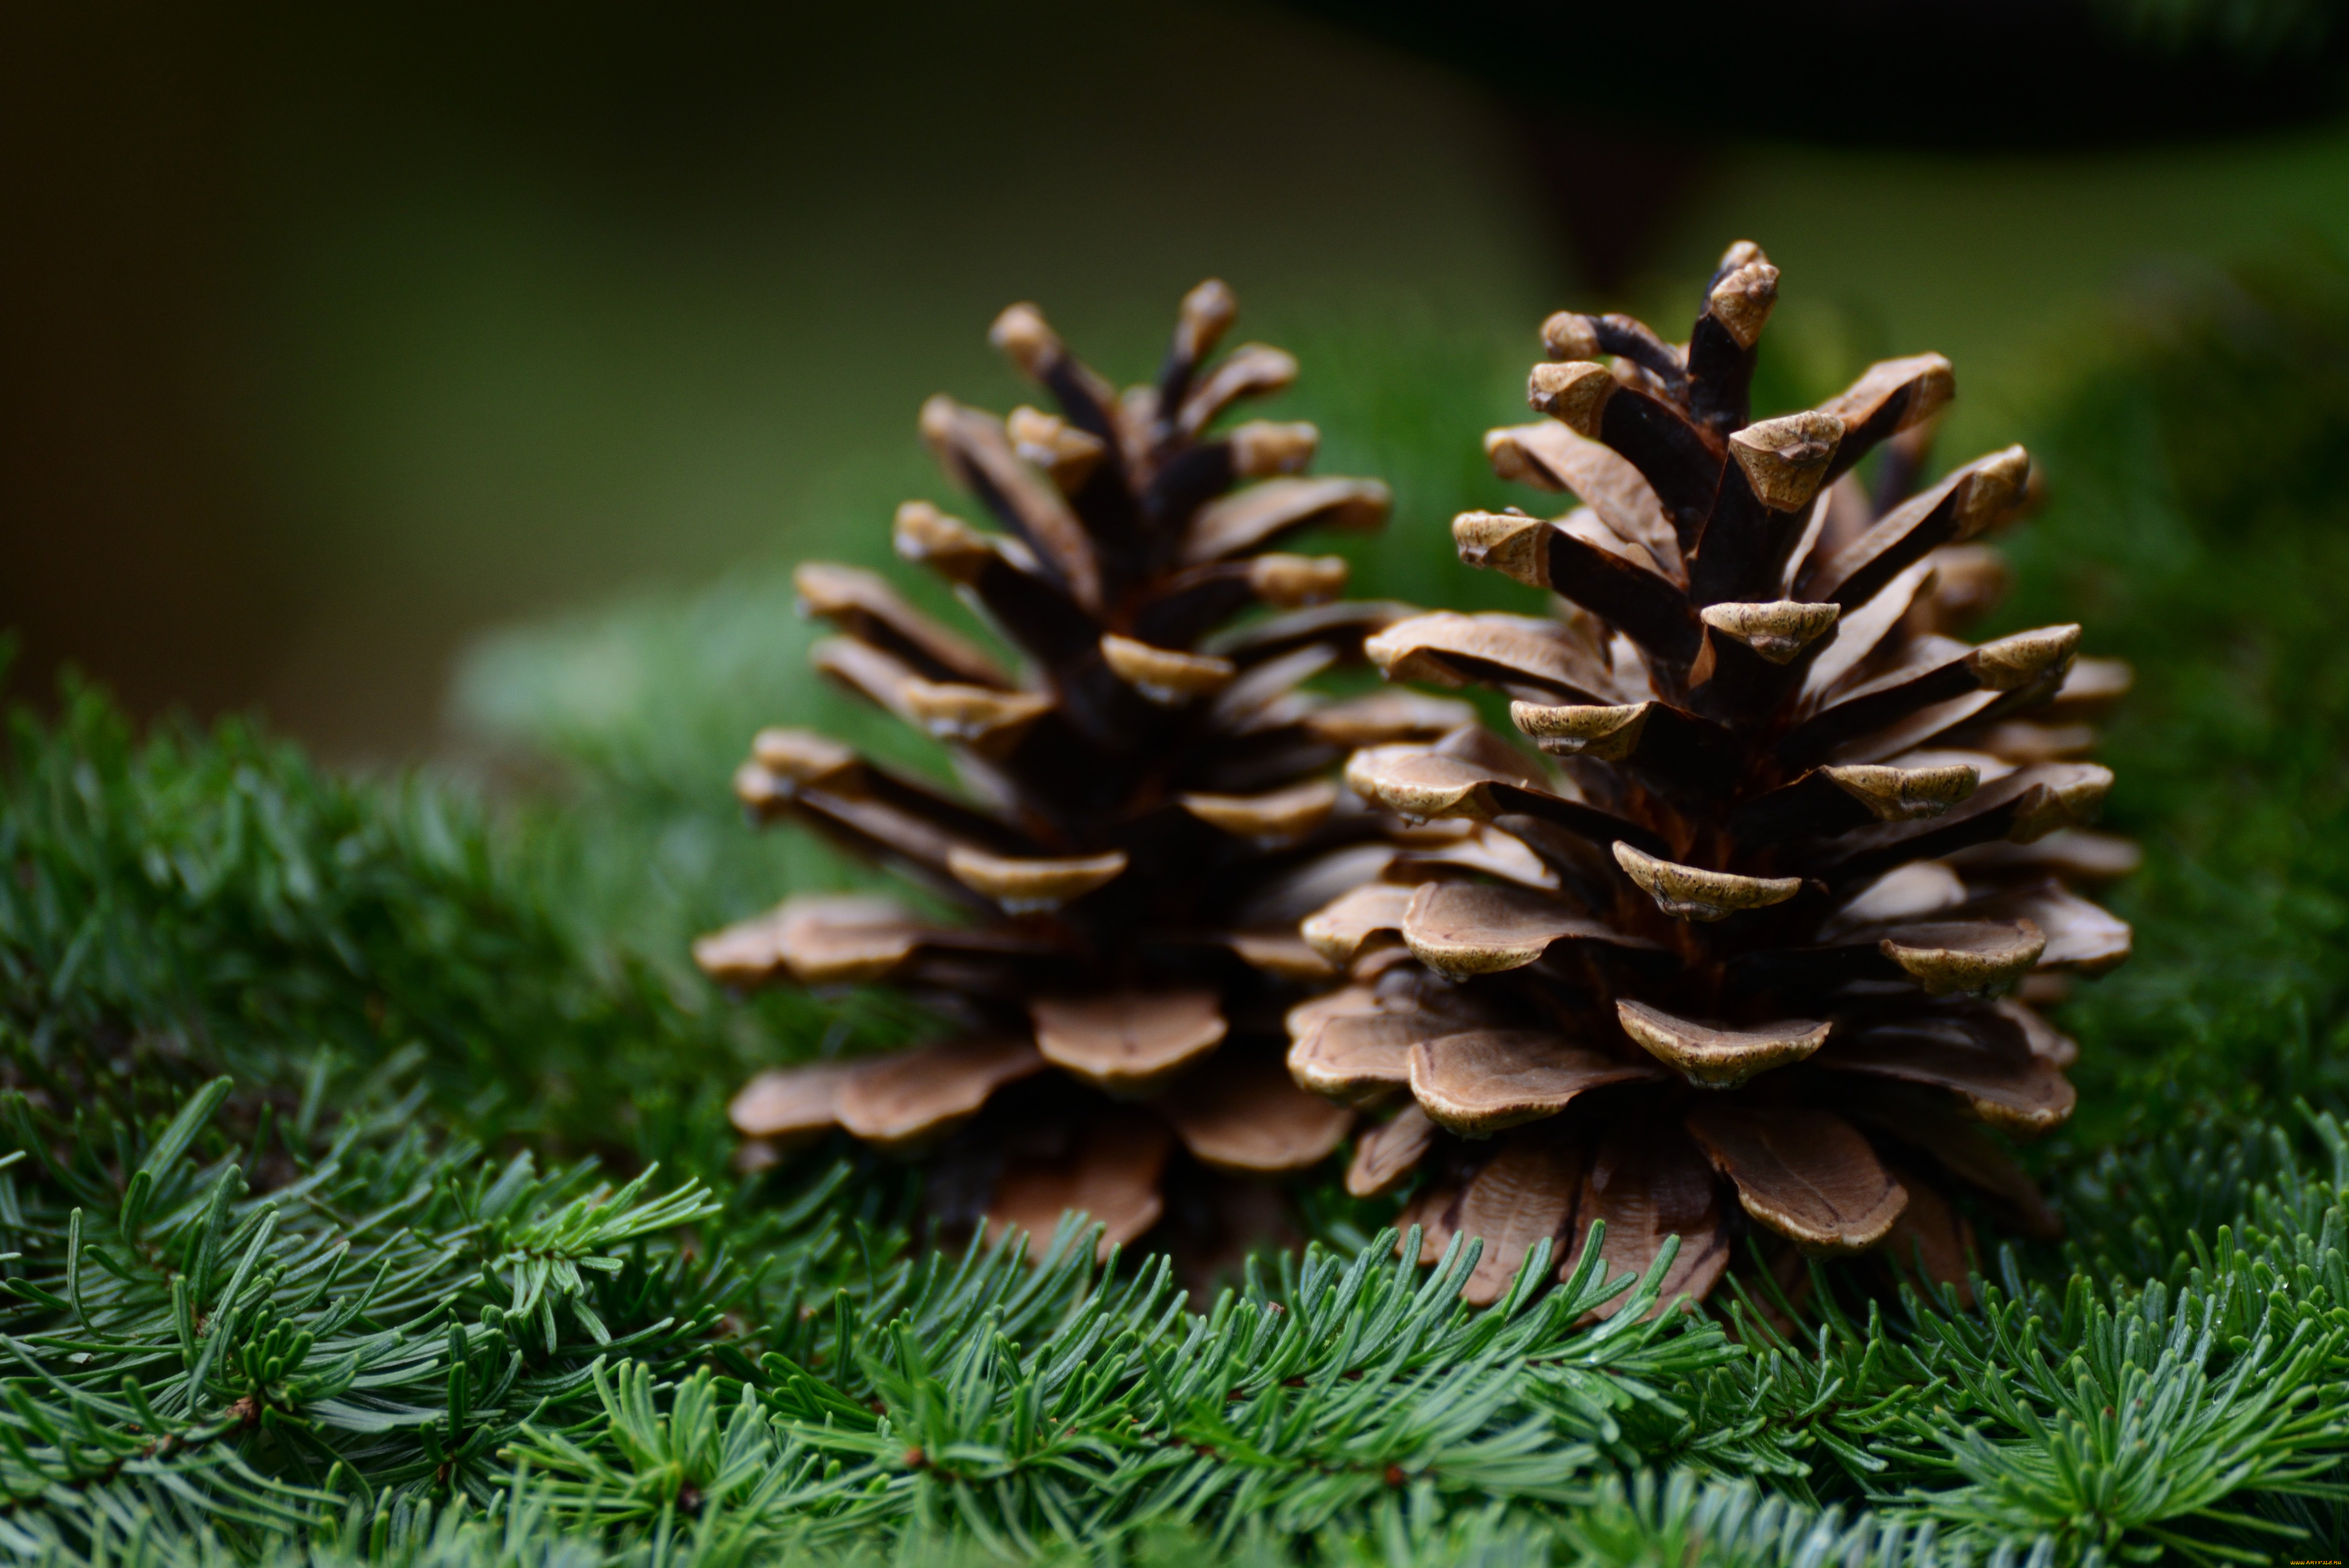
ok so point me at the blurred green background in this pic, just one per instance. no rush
(339, 339)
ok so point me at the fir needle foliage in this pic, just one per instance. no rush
(362, 1195)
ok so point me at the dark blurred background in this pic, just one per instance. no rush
(333, 338)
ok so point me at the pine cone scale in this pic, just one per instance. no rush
(1805, 1173)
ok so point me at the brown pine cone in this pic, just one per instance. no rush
(1799, 862)
(1149, 806)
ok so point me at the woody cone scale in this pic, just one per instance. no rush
(1149, 803)
(1798, 859)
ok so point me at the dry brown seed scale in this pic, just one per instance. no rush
(1149, 803)
(1796, 860)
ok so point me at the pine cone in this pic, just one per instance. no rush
(1149, 806)
(1799, 865)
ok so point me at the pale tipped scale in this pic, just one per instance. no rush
(908, 1100)
(1275, 818)
(1786, 460)
(1163, 674)
(1906, 794)
(1339, 930)
(1352, 1056)
(982, 717)
(1693, 892)
(1570, 334)
(1996, 492)
(787, 1105)
(1778, 631)
(801, 756)
(1206, 313)
(1249, 1117)
(1742, 301)
(2024, 659)
(1022, 885)
(1511, 543)
(1461, 928)
(1021, 334)
(1574, 394)
(1714, 1058)
(1262, 448)
(1418, 784)
(1603, 733)
(1291, 582)
(2082, 788)
(972, 445)
(1992, 768)
(764, 791)
(1064, 452)
(830, 938)
(880, 676)
(1805, 1173)
(818, 939)
(923, 533)
(1481, 1081)
(1980, 957)
(1127, 1042)
(743, 953)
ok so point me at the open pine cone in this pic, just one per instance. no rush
(1149, 806)
(1799, 865)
